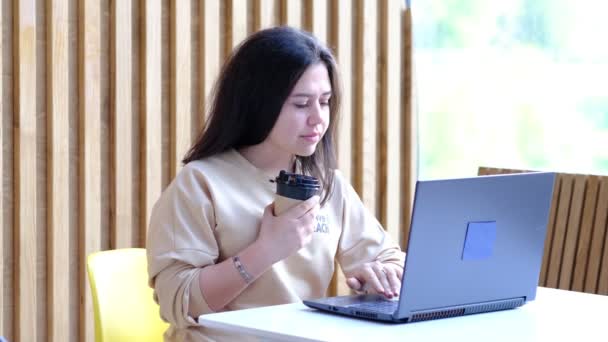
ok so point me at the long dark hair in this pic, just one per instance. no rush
(251, 89)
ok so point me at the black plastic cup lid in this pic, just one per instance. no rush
(297, 186)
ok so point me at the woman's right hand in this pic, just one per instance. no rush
(283, 235)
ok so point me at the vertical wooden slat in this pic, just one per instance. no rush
(181, 81)
(42, 262)
(571, 236)
(210, 51)
(409, 155)
(75, 207)
(236, 24)
(90, 149)
(557, 186)
(26, 280)
(559, 235)
(315, 13)
(602, 287)
(265, 14)
(365, 140)
(9, 162)
(197, 80)
(390, 118)
(3, 175)
(598, 246)
(124, 233)
(291, 13)
(584, 240)
(341, 41)
(58, 168)
(152, 109)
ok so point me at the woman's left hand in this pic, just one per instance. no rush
(376, 277)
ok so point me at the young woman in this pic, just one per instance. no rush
(214, 242)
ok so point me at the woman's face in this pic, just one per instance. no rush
(304, 116)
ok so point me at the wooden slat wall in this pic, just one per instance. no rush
(576, 247)
(99, 100)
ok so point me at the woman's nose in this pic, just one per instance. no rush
(316, 112)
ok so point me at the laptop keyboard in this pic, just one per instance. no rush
(382, 306)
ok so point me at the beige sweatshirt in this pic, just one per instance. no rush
(212, 210)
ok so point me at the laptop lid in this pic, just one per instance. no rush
(475, 245)
(474, 241)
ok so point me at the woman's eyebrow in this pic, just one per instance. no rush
(310, 95)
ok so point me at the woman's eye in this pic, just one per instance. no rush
(300, 105)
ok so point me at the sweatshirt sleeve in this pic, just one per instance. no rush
(363, 238)
(181, 242)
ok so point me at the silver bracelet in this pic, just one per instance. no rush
(239, 267)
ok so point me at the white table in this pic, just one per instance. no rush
(555, 315)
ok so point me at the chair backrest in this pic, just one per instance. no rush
(576, 246)
(122, 300)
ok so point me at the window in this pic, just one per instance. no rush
(516, 84)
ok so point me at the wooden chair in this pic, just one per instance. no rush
(576, 246)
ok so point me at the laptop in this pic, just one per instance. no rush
(475, 245)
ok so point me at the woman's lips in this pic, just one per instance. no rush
(314, 137)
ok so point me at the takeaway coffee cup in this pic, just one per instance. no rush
(293, 188)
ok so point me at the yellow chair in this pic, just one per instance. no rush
(122, 300)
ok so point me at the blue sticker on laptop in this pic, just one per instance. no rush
(479, 241)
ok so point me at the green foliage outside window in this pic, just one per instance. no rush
(515, 84)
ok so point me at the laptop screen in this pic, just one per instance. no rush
(475, 240)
